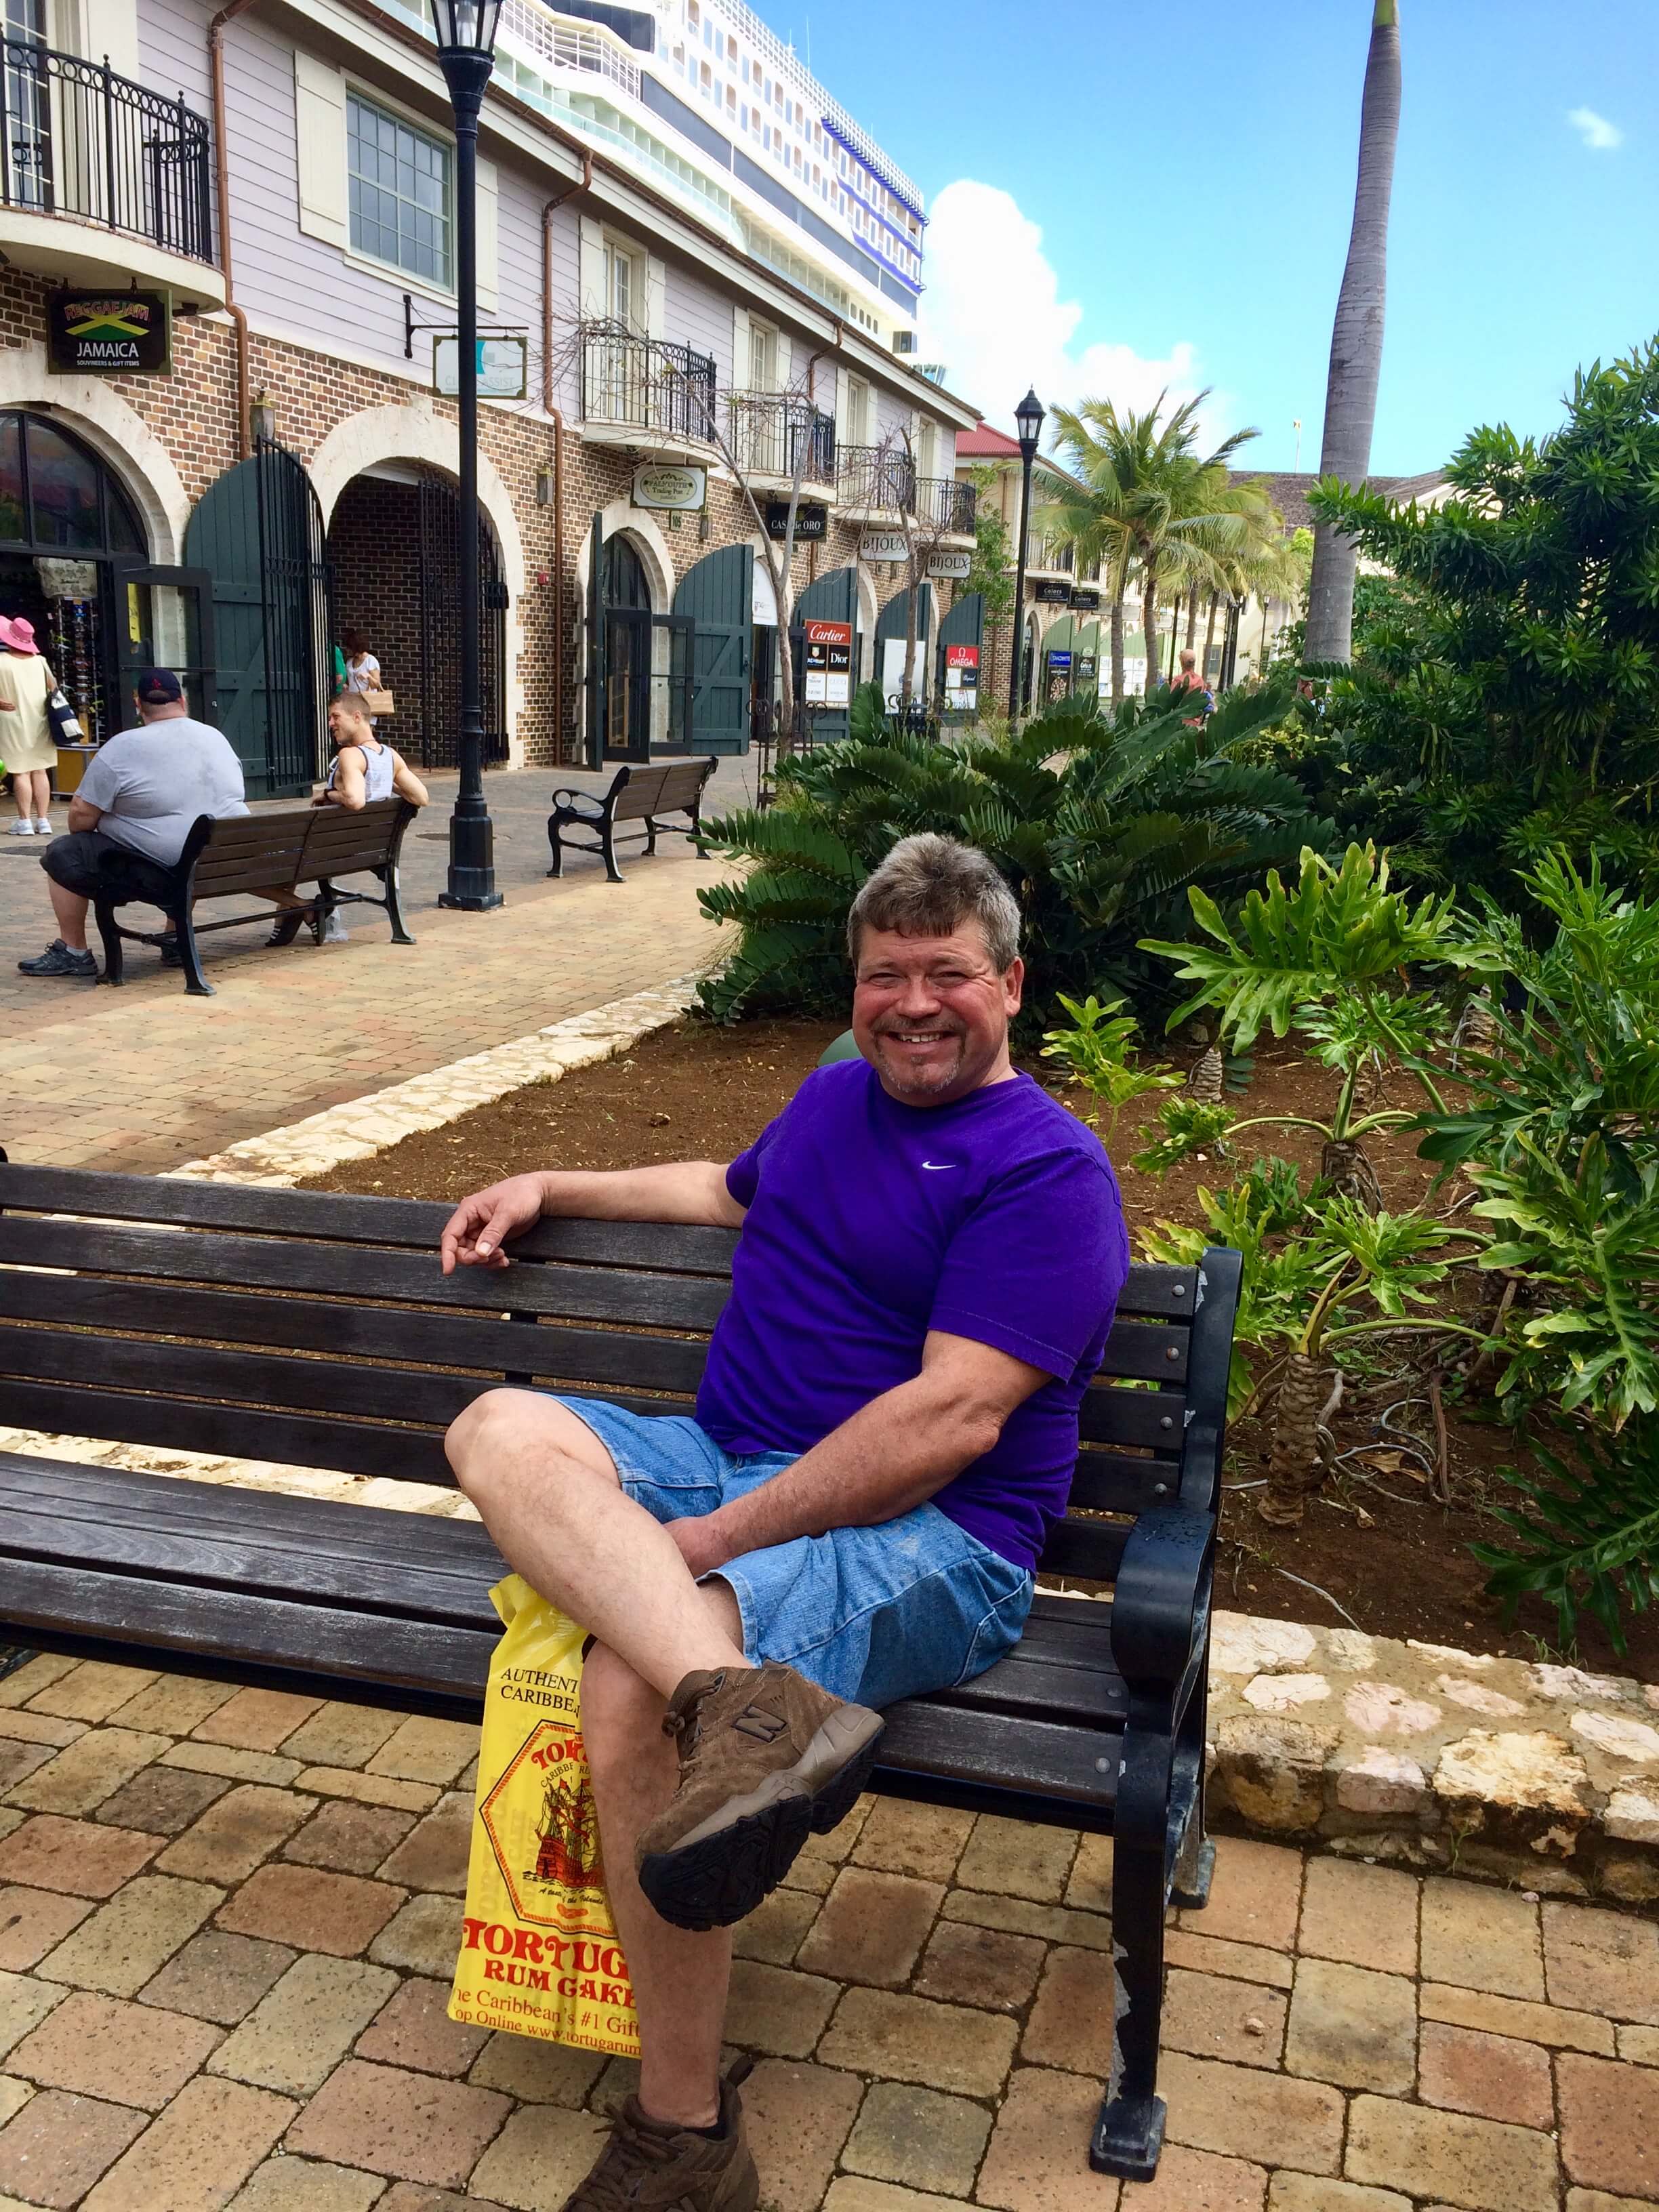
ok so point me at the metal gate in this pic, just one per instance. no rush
(438, 708)
(257, 531)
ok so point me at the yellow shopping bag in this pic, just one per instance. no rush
(539, 1954)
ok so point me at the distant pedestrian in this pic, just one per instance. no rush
(136, 803)
(362, 769)
(362, 670)
(29, 745)
(1188, 680)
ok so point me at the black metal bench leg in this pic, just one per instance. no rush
(650, 836)
(394, 908)
(607, 839)
(1129, 2132)
(109, 932)
(557, 868)
(696, 833)
(195, 983)
(1195, 1866)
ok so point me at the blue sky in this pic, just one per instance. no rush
(1132, 195)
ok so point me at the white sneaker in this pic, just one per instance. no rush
(42, 826)
(21, 828)
(335, 931)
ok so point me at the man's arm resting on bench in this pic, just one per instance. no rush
(691, 1191)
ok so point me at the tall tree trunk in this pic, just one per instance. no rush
(1192, 615)
(1209, 632)
(1294, 1472)
(1117, 648)
(1357, 339)
(1149, 628)
(1174, 634)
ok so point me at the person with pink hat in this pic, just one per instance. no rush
(28, 745)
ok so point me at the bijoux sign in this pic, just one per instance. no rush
(666, 484)
(91, 333)
(884, 545)
(950, 568)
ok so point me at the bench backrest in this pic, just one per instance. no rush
(663, 790)
(344, 842)
(194, 1311)
(248, 851)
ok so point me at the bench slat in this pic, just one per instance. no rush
(334, 1649)
(1145, 1352)
(1023, 1684)
(1154, 1419)
(1043, 1757)
(441, 1341)
(570, 1293)
(1111, 1482)
(1092, 1549)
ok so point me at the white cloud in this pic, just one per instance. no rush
(993, 313)
(1597, 133)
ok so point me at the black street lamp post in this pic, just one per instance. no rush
(1028, 416)
(466, 53)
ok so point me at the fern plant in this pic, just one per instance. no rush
(1587, 1536)
(1100, 826)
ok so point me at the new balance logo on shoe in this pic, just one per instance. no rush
(765, 1728)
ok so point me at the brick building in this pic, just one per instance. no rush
(704, 271)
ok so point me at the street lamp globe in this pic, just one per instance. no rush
(1029, 417)
(467, 26)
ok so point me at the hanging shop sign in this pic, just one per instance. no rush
(1082, 597)
(1087, 664)
(884, 545)
(503, 365)
(666, 484)
(828, 664)
(1051, 592)
(109, 333)
(961, 675)
(950, 568)
(1060, 659)
(812, 520)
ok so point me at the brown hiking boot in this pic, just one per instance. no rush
(765, 1756)
(648, 2166)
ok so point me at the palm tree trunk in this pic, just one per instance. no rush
(1209, 632)
(1191, 616)
(1149, 628)
(1357, 339)
(1117, 648)
(1293, 1468)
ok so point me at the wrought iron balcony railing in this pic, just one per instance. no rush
(645, 384)
(776, 434)
(75, 139)
(945, 505)
(1050, 554)
(878, 478)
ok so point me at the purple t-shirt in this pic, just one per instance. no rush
(869, 1222)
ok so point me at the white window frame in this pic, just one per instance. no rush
(376, 102)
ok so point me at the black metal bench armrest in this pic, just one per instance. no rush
(1160, 1600)
(580, 806)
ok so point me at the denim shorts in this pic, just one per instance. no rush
(872, 1614)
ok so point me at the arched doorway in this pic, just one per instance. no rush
(393, 542)
(891, 627)
(73, 560)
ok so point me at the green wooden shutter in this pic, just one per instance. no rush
(718, 594)
(833, 598)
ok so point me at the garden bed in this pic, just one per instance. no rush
(1378, 1550)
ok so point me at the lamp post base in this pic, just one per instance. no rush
(472, 884)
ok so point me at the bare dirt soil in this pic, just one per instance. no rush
(1378, 1550)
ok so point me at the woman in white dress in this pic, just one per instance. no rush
(363, 669)
(28, 744)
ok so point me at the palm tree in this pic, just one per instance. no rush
(1357, 339)
(1145, 496)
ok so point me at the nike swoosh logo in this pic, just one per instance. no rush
(938, 1166)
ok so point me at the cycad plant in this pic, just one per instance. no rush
(1100, 827)
(1328, 958)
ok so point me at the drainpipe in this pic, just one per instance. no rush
(570, 192)
(221, 185)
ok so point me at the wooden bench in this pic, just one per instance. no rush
(637, 795)
(317, 1330)
(274, 850)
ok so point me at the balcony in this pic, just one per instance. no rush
(88, 158)
(648, 395)
(875, 483)
(775, 437)
(1049, 556)
(946, 508)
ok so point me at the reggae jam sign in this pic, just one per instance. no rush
(109, 333)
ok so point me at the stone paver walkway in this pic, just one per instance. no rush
(228, 1918)
(145, 1077)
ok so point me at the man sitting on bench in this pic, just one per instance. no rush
(931, 1251)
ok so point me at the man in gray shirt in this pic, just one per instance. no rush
(137, 800)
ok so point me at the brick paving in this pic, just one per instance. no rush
(228, 1918)
(146, 1077)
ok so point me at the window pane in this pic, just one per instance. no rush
(399, 182)
(65, 483)
(11, 479)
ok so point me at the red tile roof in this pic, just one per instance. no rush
(986, 444)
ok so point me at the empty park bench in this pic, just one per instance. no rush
(637, 795)
(276, 850)
(316, 1330)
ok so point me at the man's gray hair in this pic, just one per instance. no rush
(929, 886)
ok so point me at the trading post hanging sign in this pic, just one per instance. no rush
(93, 333)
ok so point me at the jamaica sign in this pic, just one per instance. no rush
(92, 333)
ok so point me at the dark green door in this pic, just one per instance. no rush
(834, 598)
(890, 624)
(718, 595)
(963, 629)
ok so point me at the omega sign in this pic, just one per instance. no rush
(109, 333)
